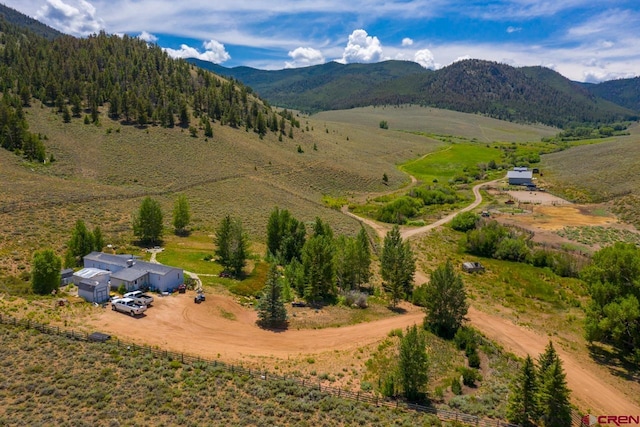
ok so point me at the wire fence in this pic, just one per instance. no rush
(373, 399)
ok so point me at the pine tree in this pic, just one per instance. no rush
(231, 245)
(319, 271)
(397, 266)
(555, 407)
(546, 360)
(523, 399)
(413, 363)
(363, 257)
(98, 239)
(271, 309)
(445, 301)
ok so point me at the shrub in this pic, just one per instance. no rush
(474, 359)
(355, 298)
(397, 211)
(456, 388)
(122, 289)
(470, 376)
(465, 221)
(464, 337)
(513, 249)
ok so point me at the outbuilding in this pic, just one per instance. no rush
(520, 177)
(93, 291)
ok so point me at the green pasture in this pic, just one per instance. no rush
(446, 164)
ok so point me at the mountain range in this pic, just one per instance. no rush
(527, 94)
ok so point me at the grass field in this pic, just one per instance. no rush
(444, 165)
(439, 122)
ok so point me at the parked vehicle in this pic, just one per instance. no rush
(127, 305)
(182, 288)
(199, 298)
(140, 298)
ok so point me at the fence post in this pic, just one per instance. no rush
(182, 357)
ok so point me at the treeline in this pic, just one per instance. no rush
(126, 78)
(585, 131)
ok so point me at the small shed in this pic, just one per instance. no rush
(66, 276)
(93, 291)
(472, 267)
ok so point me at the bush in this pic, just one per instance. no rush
(456, 388)
(122, 289)
(465, 221)
(513, 249)
(474, 359)
(397, 211)
(355, 298)
(470, 376)
(464, 337)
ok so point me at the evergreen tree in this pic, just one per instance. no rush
(363, 257)
(413, 363)
(98, 239)
(181, 214)
(546, 360)
(45, 272)
(271, 309)
(231, 245)
(294, 275)
(555, 407)
(445, 301)
(147, 222)
(523, 399)
(397, 266)
(285, 236)
(319, 272)
(81, 243)
(345, 262)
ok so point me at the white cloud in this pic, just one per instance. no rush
(462, 58)
(407, 41)
(425, 58)
(304, 57)
(78, 17)
(511, 29)
(148, 37)
(362, 48)
(214, 52)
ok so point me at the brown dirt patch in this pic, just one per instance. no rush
(556, 217)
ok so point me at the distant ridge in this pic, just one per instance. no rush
(527, 95)
(33, 25)
(625, 92)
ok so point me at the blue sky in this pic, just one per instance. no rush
(585, 40)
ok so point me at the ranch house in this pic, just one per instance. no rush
(134, 274)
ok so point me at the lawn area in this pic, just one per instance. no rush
(446, 164)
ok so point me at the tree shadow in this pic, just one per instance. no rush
(276, 328)
(616, 361)
(396, 309)
(182, 233)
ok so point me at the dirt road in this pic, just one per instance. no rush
(589, 382)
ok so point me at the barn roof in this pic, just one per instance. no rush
(520, 174)
(129, 274)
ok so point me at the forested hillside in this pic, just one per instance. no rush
(126, 78)
(529, 95)
(625, 92)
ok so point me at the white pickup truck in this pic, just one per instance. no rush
(127, 305)
(140, 298)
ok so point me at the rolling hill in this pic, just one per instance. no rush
(625, 92)
(528, 95)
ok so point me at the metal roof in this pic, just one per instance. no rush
(88, 273)
(119, 260)
(520, 174)
(129, 274)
